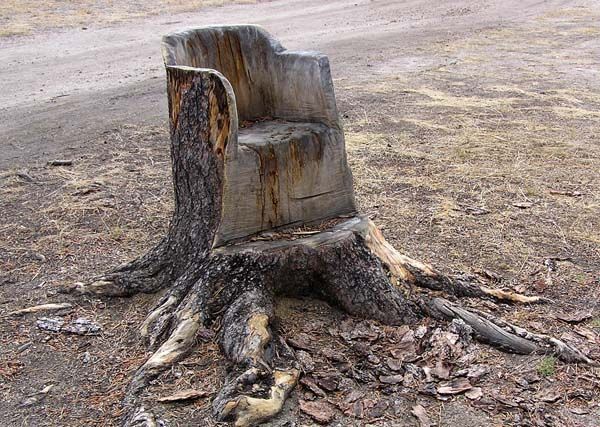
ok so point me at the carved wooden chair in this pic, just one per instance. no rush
(276, 126)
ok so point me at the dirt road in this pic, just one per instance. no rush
(59, 91)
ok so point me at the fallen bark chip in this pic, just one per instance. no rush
(301, 342)
(306, 361)
(319, 410)
(60, 163)
(183, 395)
(586, 333)
(456, 386)
(442, 369)
(310, 383)
(80, 326)
(391, 379)
(474, 394)
(51, 324)
(355, 410)
(378, 410)
(353, 396)
(329, 382)
(333, 355)
(394, 364)
(574, 317)
(421, 414)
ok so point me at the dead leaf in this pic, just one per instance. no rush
(319, 410)
(456, 386)
(421, 414)
(183, 395)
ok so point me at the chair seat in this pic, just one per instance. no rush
(275, 132)
(286, 173)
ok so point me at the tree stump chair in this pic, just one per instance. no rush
(274, 128)
(257, 146)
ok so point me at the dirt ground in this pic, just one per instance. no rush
(472, 131)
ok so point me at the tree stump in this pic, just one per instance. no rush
(257, 146)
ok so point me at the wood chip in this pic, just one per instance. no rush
(421, 414)
(474, 394)
(42, 307)
(456, 386)
(319, 410)
(522, 205)
(183, 395)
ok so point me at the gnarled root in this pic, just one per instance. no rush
(350, 265)
(507, 336)
(269, 370)
(407, 272)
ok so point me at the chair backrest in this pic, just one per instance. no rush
(268, 80)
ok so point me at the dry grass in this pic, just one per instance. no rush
(22, 17)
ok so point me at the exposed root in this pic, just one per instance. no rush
(509, 337)
(250, 411)
(405, 271)
(156, 314)
(143, 418)
(351, 265)
(259, 392)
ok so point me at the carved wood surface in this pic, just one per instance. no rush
(286, 165)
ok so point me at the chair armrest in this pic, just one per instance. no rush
(302, 88)
(222, 125)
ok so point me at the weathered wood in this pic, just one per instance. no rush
(287, 165)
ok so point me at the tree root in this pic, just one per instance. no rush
(507, 336)
(350, 265)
